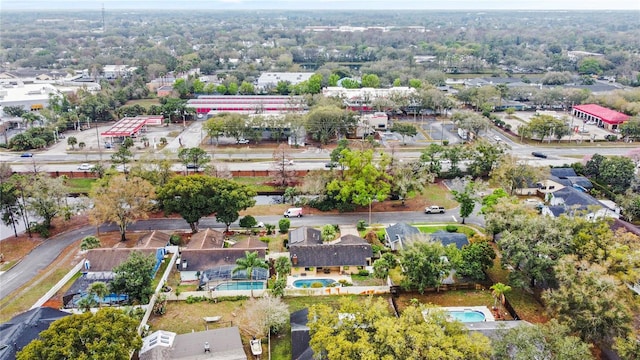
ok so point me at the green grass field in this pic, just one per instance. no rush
(79, 185)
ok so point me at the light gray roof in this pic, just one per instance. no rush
(225, 344)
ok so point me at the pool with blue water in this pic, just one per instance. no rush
(240, 285)
(307, 283)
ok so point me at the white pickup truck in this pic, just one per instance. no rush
(434, 209)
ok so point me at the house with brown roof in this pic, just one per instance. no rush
(153, 240)
(209, 266)
(206, 239)
(98, 266)
(250, 243)
(106, 259)
(348, 255)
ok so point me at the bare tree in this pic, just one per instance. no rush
(283, 166)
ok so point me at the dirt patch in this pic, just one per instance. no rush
(15, 248)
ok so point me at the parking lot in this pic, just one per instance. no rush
(585, 132)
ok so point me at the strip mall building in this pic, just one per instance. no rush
(603, 117)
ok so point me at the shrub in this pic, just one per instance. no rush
(248, 222)
(40, 229)
(175, 239)
(284, 225)
(265, 239)
(195, 299)
(361, 225)
(228, 298)
(451, 228)
(270, 228)
(328, 233)
(344, 282)
(445, 142)
(363, 272)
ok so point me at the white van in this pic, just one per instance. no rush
(292, 212)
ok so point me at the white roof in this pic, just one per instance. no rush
(158, 338)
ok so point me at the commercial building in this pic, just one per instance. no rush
(211, 105)
(603, 117)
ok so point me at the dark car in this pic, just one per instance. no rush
(26, 155)
(192, 166)
(331, 165)
(539, 155)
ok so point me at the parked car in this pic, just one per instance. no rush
(539, 154)
(84, 166)
(434, 209)
(26, 155)
(331, 165)
(242, 141)
(192, 166)
(293, 212)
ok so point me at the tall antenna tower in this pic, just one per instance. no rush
(103, 28)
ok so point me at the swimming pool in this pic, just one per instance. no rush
(466, 315)
(240, 285)
(307, 283)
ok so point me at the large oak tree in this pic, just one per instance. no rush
(121, 200)
(108, 334)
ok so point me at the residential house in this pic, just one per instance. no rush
(115, 71)
(571, 201)
(212, 266)
(18, 332)
(305, 235)
(153, 240)
(347, 255)
(448, 238)
(98, 266)
(216, 344)
(164, 90)
(300, 337)
(206, 239)
(250, 244)
(397, 234)
(567, 177)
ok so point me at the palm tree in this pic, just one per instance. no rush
(100, 290)
(248, 263)
(499, 289)
(89, 242)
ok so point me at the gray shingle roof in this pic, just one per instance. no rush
(305, 235)
(332, 254)
(447, 238)
(203, 259)
(300, 337)
(225, 343)
(563, 172)
(398, 233)
(21, 329)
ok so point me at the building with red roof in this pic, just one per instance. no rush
(604, 118)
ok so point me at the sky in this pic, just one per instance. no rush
(325, 4)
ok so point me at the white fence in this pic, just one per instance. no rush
(154, 298)
(58, 286)
(347, 290)
(344, 290)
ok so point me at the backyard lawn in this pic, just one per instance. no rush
(429, 229)
(79, 185)
(524, 302)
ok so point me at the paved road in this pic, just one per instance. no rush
(46, 253)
